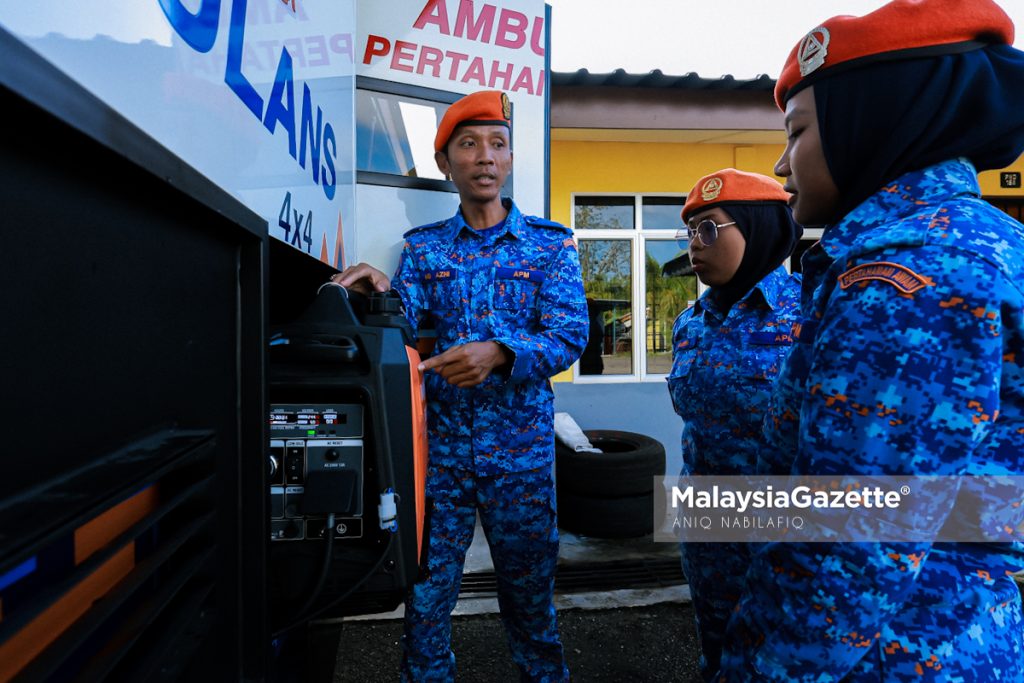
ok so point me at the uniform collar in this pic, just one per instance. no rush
(765, 293)
(513, 222)
(910, 194)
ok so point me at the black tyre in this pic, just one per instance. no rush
(624, 517)
(626, 467)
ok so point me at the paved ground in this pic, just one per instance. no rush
(649, 643)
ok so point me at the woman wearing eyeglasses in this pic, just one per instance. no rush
(727, 349)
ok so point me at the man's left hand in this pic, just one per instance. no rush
(469, 364)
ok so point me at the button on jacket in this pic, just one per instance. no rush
(519, 286)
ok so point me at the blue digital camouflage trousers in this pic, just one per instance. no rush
(517, 512)
(714, 572)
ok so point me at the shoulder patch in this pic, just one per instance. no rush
(421, 228)
(900, 277)
(539, 222)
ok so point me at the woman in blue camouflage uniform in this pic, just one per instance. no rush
(910, 352)
(727, 349)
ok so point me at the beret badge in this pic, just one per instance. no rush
(711, 189)
(813, 50)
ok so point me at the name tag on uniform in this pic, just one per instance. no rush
(448, 274)
(536, 276)
(773, 338)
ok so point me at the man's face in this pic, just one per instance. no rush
(815, 195)
(478, 159)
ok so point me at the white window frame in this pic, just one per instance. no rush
(638, 238)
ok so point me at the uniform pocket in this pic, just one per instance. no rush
(516, 289)
(763, 363)
(764, 355)
(444, 295)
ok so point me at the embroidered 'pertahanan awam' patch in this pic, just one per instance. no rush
(900, 277)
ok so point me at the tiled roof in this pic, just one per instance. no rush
(657, 79)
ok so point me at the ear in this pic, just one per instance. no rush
(441, 159)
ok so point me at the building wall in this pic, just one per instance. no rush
(643, 167)
(990, 182)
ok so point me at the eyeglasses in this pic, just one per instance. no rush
(706, 230)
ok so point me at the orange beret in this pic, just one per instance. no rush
(484, 108)
(902, 29)
(732, 186)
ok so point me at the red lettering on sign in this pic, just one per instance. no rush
(423, 59)
(524, 82)
(480, 29)
(505, 74)
(537, 38)
(432, 57)
(376, 46)
(475, 72)
(434, 12)
(457, 58)
(403, 50)
(511, 29)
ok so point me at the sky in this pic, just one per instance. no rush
(743, 38)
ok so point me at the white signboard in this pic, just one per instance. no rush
(257, 95)
(457, 46)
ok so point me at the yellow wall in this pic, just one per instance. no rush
(652, 167)
(643, 167)
(990, 181)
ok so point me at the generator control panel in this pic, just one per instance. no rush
(315, 466)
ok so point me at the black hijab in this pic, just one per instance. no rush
(771, 235)
(884, 119)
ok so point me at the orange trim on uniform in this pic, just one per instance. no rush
(901, 29)
(487, 107)
(419, 443)
(28, 643)
(730, 185)
(101, 530)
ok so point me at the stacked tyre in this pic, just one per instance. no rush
(610, 494)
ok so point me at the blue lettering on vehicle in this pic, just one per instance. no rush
(199, 31)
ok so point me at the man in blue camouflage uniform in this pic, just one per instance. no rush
(727, 349)
(505, 295)
(910, 353)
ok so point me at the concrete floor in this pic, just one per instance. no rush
(572, 550)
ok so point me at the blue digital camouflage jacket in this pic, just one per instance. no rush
(909, 360)
(519, 286)
(723, 369)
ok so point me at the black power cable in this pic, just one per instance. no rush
(304, 618)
